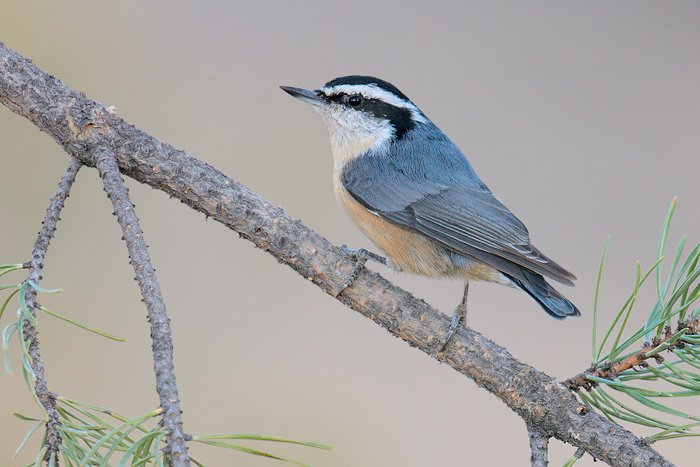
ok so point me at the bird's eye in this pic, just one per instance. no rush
(355, 100)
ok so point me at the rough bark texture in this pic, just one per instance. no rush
(80, 125)
(29, 331)
(538, 447)
(162, 342)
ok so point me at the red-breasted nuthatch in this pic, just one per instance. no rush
(413, 193)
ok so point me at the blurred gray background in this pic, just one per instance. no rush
(584, 117)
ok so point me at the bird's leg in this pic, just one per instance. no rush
(360, 256)
(458, 316)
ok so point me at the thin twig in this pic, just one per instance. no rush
(162, 346)
(29, 331)
(80, 125)
(538, 446)
(612, 370)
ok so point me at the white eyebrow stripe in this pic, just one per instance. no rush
(371, 91)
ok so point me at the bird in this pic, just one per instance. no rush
(415, 195)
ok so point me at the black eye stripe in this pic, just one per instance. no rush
(337, 98)
(352, 100)
(400, 118)
(355, 100)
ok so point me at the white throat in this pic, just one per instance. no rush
(353, 133)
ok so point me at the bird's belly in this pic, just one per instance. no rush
(408, 251)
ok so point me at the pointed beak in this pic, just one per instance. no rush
(305, 95)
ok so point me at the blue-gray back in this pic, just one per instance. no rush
(425, 184)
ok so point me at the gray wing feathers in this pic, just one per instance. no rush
(460, 214)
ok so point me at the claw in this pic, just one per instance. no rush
(456, 320)
(458, 316)
(361, 256)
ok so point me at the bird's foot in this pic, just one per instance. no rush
(360, 256)
(458, 317)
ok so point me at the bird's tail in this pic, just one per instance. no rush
(554, 303)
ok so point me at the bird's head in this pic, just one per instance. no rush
(363, 114)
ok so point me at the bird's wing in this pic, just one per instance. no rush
(463, 216)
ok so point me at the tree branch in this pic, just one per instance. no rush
(538, 447)
(612, 370)
(80, 125)
(176, 451)
(29, 331)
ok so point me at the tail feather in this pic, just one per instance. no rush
(554, 303)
